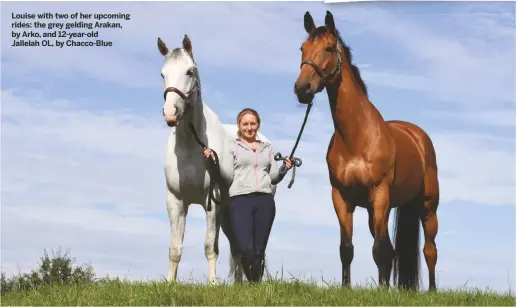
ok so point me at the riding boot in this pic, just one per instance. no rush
(247, 266)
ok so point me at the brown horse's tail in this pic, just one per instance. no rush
(406, 264)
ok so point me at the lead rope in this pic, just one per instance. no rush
(214, 170)
(297, 162)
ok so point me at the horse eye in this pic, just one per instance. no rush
(329, 49)
(190, 72)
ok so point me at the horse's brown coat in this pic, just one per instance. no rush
(373, 163)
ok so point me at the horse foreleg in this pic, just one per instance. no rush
(212, 242)
(383, 252)
(345, 215)
(177, 216)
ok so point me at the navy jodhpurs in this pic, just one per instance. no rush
(251, 218)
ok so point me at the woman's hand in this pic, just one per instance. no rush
(207, 152)
(288, 163)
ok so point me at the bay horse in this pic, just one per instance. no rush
(374, 164)
(187, 175)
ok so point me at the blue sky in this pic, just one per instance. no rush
(84, 141)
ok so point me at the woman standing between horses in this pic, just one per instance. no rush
(252, 205)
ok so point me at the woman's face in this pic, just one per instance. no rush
(248, 126)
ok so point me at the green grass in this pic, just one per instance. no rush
(57, 282)
(122, 293)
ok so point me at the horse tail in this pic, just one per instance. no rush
(406, 264)
(267, 274)
(235, 273)
(233, 268)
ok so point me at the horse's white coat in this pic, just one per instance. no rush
(187, 178)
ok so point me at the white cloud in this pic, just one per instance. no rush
(487, 117)
(472, 168)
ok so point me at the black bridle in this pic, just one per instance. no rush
(337, 67)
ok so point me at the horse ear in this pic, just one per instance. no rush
(162, 47)
(187, 44)
(329, 22)
(308, 22)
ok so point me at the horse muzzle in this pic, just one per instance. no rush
(171, 120)
(304, 93)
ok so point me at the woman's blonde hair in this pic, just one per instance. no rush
(244, 112)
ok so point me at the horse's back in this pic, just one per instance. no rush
(415, 159)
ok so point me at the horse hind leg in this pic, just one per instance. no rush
(212, 242)
(430, 225)
(177, 211)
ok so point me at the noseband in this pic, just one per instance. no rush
(175, 90)
(318, 71)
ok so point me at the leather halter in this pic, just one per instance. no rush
(172, 89)
(318, 71)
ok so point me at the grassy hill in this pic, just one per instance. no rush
(56, 282)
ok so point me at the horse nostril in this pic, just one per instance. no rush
(308, 90)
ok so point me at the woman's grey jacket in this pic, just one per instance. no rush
(254, 170)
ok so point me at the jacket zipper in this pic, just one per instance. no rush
(256, 169)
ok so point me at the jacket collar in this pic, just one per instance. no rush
(244, 145)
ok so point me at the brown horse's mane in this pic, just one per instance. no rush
(321, 31)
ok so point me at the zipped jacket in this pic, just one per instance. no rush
(253, 170)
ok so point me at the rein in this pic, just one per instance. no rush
(213, 167)
(325, 79)
(297, 162)
(214, 170)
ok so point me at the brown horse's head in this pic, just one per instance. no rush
(321, 58)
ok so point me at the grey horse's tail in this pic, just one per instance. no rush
(236, 273)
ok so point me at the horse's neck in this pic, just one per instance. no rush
(355, 119)
(194, 116)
